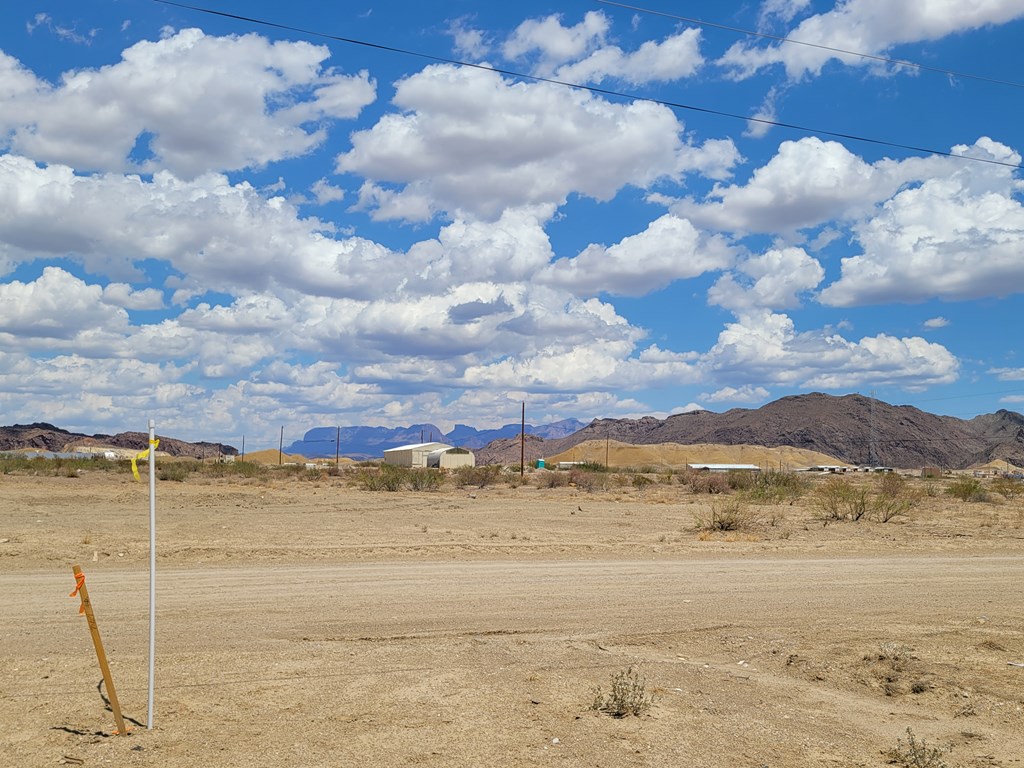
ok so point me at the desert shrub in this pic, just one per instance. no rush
(1008, 487)
(385, 478)
(628, 695)
(725, 515)
(916, 754)
(708, 482)
(640, 482)
(479, 477)
(175, 471)
(778, 485)
(892, 498)
(424, 479)
(740, 479)
(588, 481)
(838, 499)
(967, 489)
(552, 480)
(592, 466)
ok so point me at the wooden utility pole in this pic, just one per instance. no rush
(280, 449)
(101, 656)
(522, 443)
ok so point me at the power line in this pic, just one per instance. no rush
(592, 88)
(781, 39)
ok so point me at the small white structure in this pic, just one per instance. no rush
(439, 455)
(725, 467)
(451, 458)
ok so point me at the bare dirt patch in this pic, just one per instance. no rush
(313, 623)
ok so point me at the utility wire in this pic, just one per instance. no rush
(781, 39)
(591, 88)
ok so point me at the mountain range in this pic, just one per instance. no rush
(853, 428)
(371, 442)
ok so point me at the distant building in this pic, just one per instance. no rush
(440, 455)
(725, 467)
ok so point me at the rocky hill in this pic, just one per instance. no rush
(46, 437)
(853, 428)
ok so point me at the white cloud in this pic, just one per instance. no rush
(865, 26)
(674, 58)
(745, 394)
(471, 143)
(956, 236)
(256, 99)
(1008, 374)
(936, 322)
(763, 348)
(669, 249)
(552, 44)
(124, 296)
(772, 280)
(57, 306)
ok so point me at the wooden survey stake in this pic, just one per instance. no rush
(101, 656)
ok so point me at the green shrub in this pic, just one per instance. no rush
(967, 489)
(479, 477)
(175, 471)
(424, 479)
(386, 477)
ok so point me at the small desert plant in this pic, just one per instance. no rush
(387, 478)
(776, 485)
(588, 481)
(1008, 487)
(176, 471)
(552, 480)
(628, 695)
(892, 499)
(592, 466)
(641, 481)
(838, 499)
(480, 477)
(916, 754)
(708, 482)
(423, 479)
(967, 489)
(726, 515)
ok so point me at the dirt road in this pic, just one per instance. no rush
(308, 623)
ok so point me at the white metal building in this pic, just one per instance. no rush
(725, 467)
(439, 455)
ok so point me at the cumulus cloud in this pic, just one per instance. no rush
(926, 240)
(745, 394)
(472, 143)
(259, 101)
(764, 348)
(674, 58)
(550, 43)
(669, 249)
(865, 26)
(772, 280)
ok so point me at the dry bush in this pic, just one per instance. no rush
(838, 499)
(479, 476)
(628, 695)
(967, 489)
(552, 479)
(588, 480)
(726, 515)
(1008, 487)
(916, 754)
(708, 482)
(892, 498)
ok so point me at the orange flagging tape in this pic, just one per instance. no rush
(79, 583)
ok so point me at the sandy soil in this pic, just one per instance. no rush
(306, 623)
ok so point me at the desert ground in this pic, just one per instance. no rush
(305, 621)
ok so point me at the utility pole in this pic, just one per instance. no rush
(522, 443)
(337, 447)
(280, 449)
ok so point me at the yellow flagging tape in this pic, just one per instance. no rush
(143, 455)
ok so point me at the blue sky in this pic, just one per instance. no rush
(231, 227)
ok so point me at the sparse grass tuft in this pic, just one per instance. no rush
(628, 695)
(916, 754)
